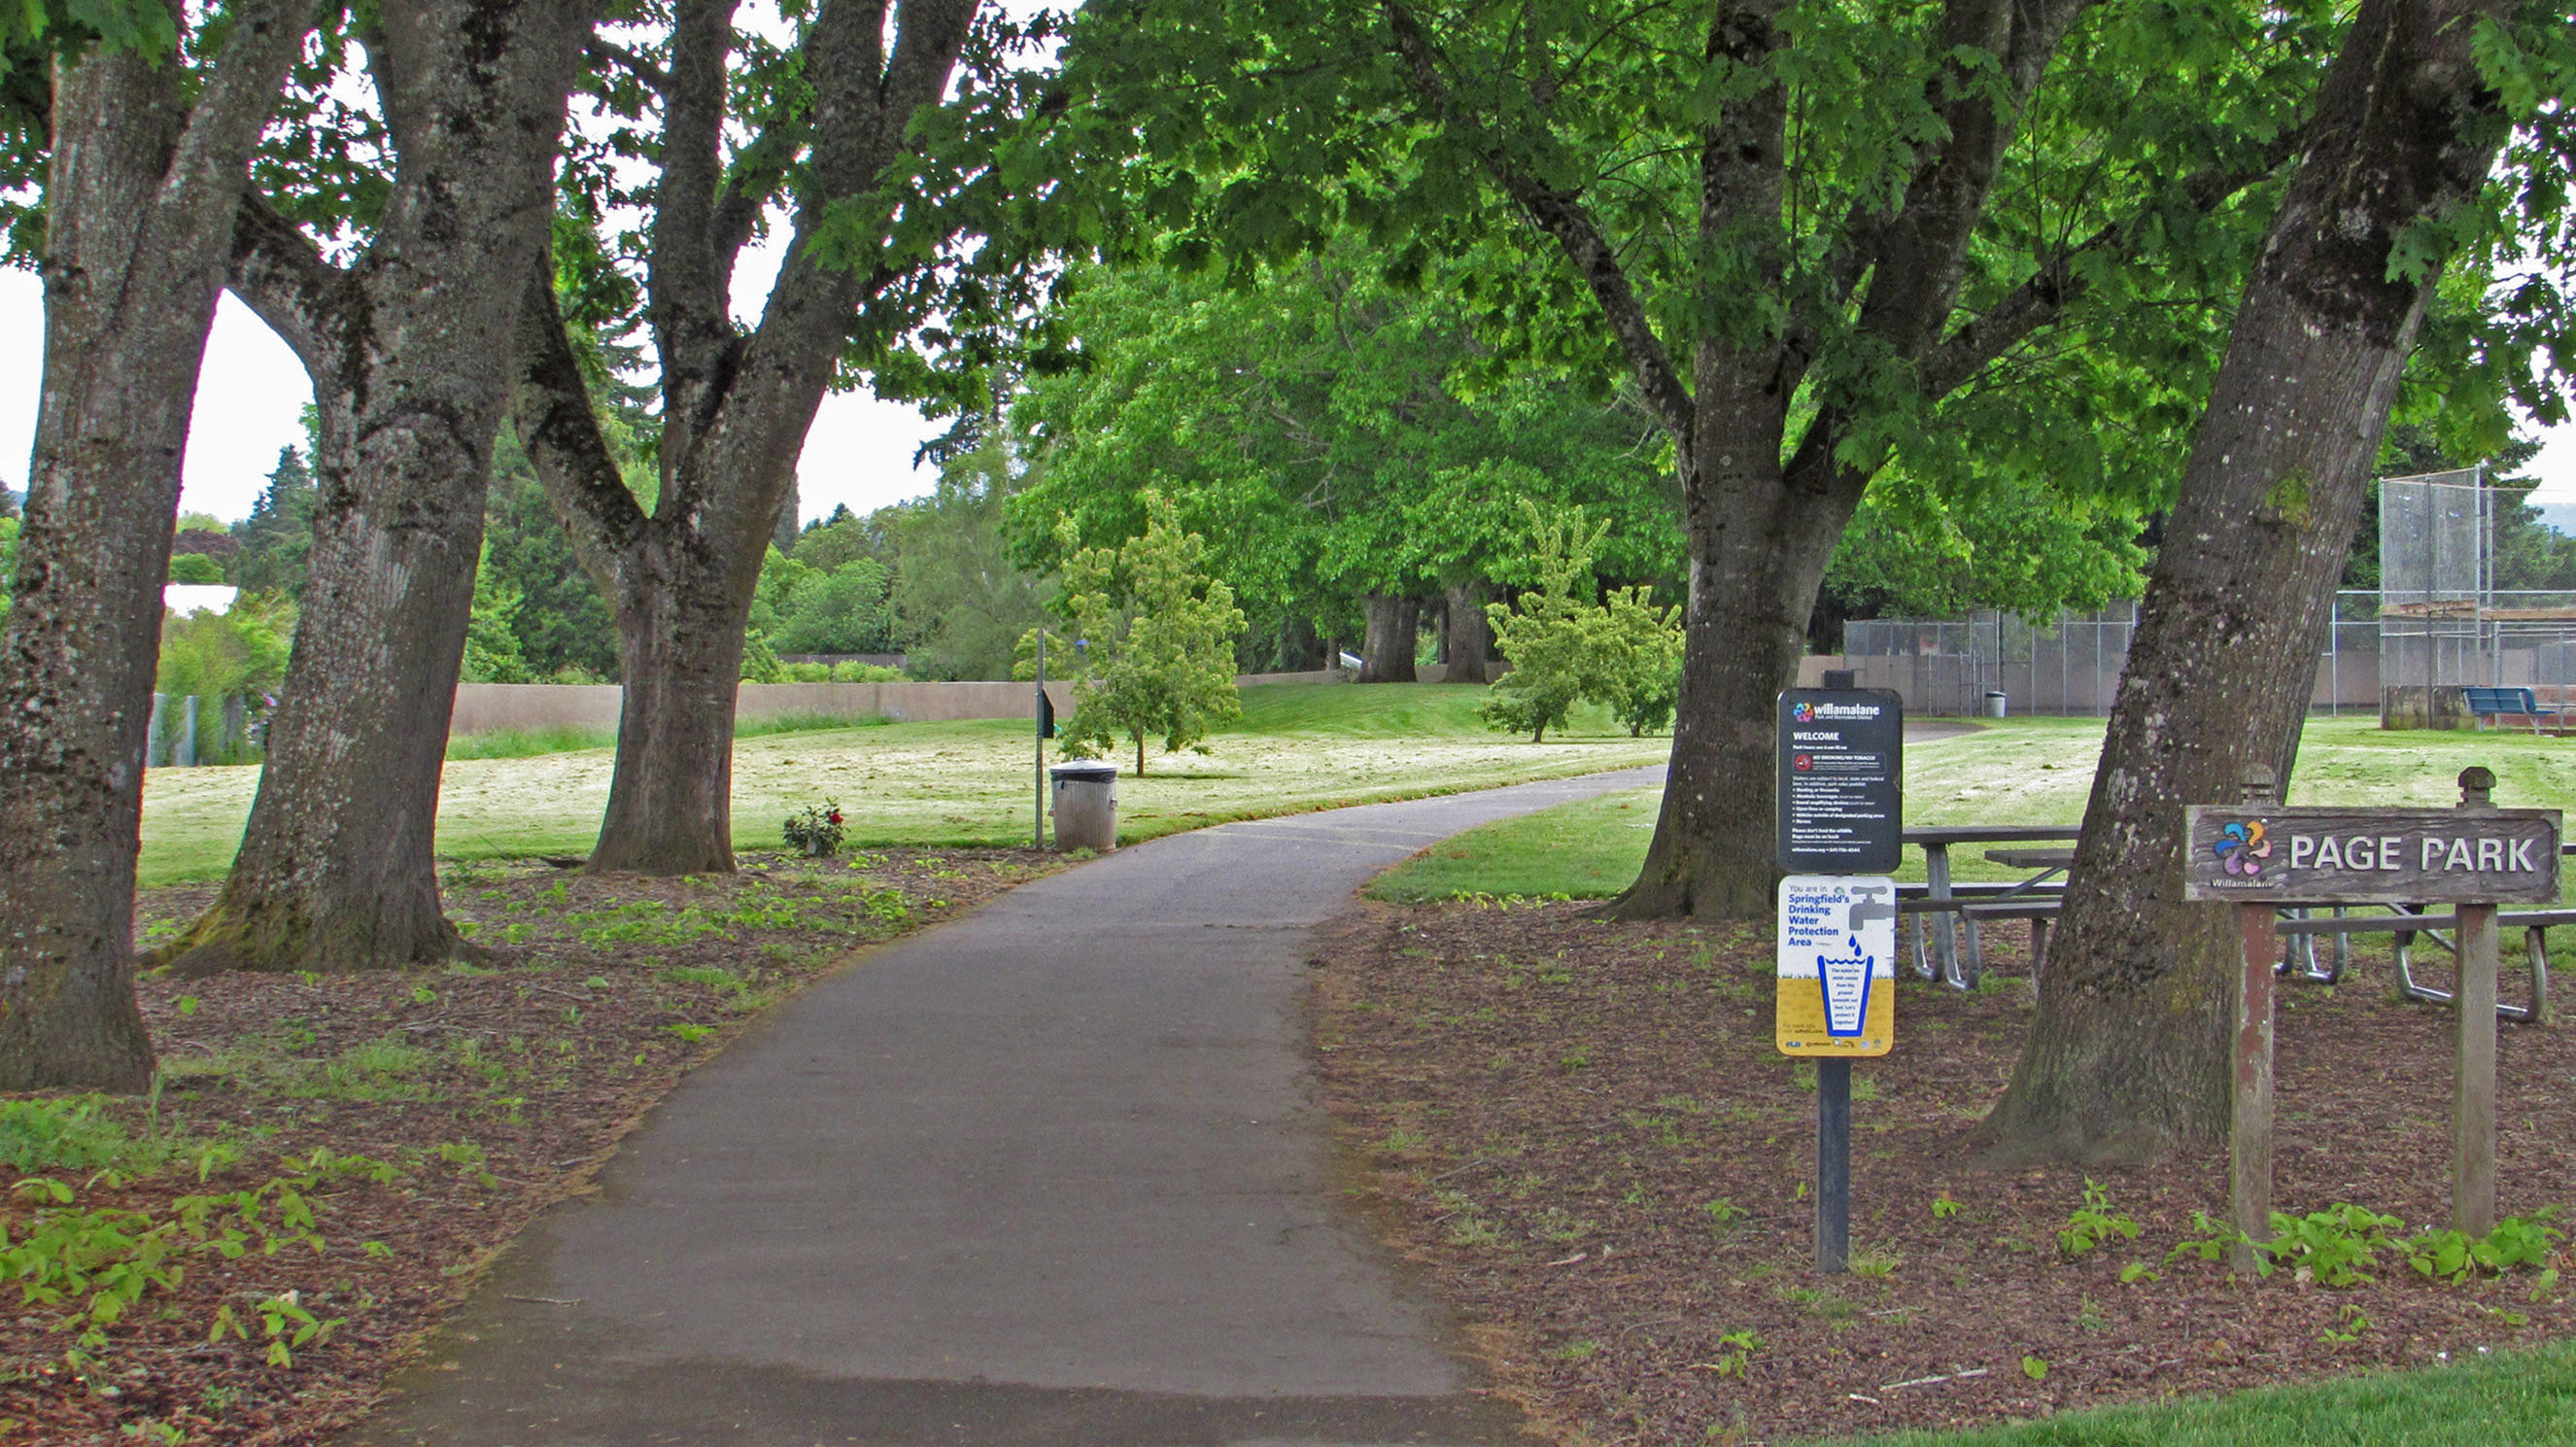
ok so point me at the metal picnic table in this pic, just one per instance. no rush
(1937, 952)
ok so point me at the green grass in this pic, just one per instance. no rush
(1588, 850)
(1299, 747)
(574, 738)
(2015, 771)
(2518, 1397)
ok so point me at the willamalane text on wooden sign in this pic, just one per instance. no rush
(2248, 852)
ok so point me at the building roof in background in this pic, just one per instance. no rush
(186, 598)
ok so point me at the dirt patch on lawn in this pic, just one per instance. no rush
(1583, 1134)
(446, 1107)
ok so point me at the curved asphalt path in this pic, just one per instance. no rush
(1046, 1176)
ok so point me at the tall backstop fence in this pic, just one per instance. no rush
(2070, 665)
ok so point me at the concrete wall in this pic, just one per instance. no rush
(485, 707)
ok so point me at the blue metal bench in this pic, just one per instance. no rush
(2492, 703)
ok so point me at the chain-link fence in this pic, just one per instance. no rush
(2445, 618)
(2437, 621)
(2071, 665)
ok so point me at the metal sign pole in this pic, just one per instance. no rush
(1038, 828)
(1833, 1164)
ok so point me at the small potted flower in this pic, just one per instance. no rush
(816, 832)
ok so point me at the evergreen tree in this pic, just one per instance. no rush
(277, 537)
(562, 626)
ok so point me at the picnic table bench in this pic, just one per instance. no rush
(1939, 952)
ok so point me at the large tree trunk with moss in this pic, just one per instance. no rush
(1394, 628)
(2129, 1050)
(411, 379)
(735, 408)
(1471, 635)
(139, 211)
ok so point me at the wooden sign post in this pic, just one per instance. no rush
(2262, 856)
(2249, 1132)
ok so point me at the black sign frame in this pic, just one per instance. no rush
(1841, 789)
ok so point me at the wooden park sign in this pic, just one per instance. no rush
(2283, 856)
(2263, 856)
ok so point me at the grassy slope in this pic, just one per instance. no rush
(1299, 747)
(2022, 771)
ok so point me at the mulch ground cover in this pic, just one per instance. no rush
(330, 1160)
(1582, 1134)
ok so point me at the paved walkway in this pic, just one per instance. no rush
(1046, 1176)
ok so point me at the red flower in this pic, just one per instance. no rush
(834, 816)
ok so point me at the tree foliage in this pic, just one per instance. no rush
(1331, 434)
(1622, 651)
(963, 603)
(242, 651)
(1971, 240)
(1156, 636)
(802, 608)
(277, 537)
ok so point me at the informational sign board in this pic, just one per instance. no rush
(2251, 853)
(1837, 965)
(1842, 780)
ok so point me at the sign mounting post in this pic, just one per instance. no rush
(1841, 811)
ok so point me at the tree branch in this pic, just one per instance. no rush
(1562, 217)
(2047, 293)
(1921, 256)
(551, 401)
(654, 77)
(282, 277)
(207, 167)
(689, 283)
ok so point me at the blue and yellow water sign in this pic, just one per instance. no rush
(1837, 965)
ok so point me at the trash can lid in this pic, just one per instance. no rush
(1084, 769)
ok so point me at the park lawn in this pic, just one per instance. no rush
(952, 785)
(2013, 771)
(2500, 1397)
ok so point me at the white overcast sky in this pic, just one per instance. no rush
(251, 397)
(252, 392)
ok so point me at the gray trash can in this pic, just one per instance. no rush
(1994, 703)
(1086, 805)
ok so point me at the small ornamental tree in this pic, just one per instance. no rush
(1547, 632)
(1624, 653)
(1157, 654)
(1637, 660)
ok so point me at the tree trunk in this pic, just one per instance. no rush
(1471, 634)
(1759, 537)
(140, 206)
(1386, 656)
(670, 805)
(735, 408)
(2129, 1051)
(336, 868)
